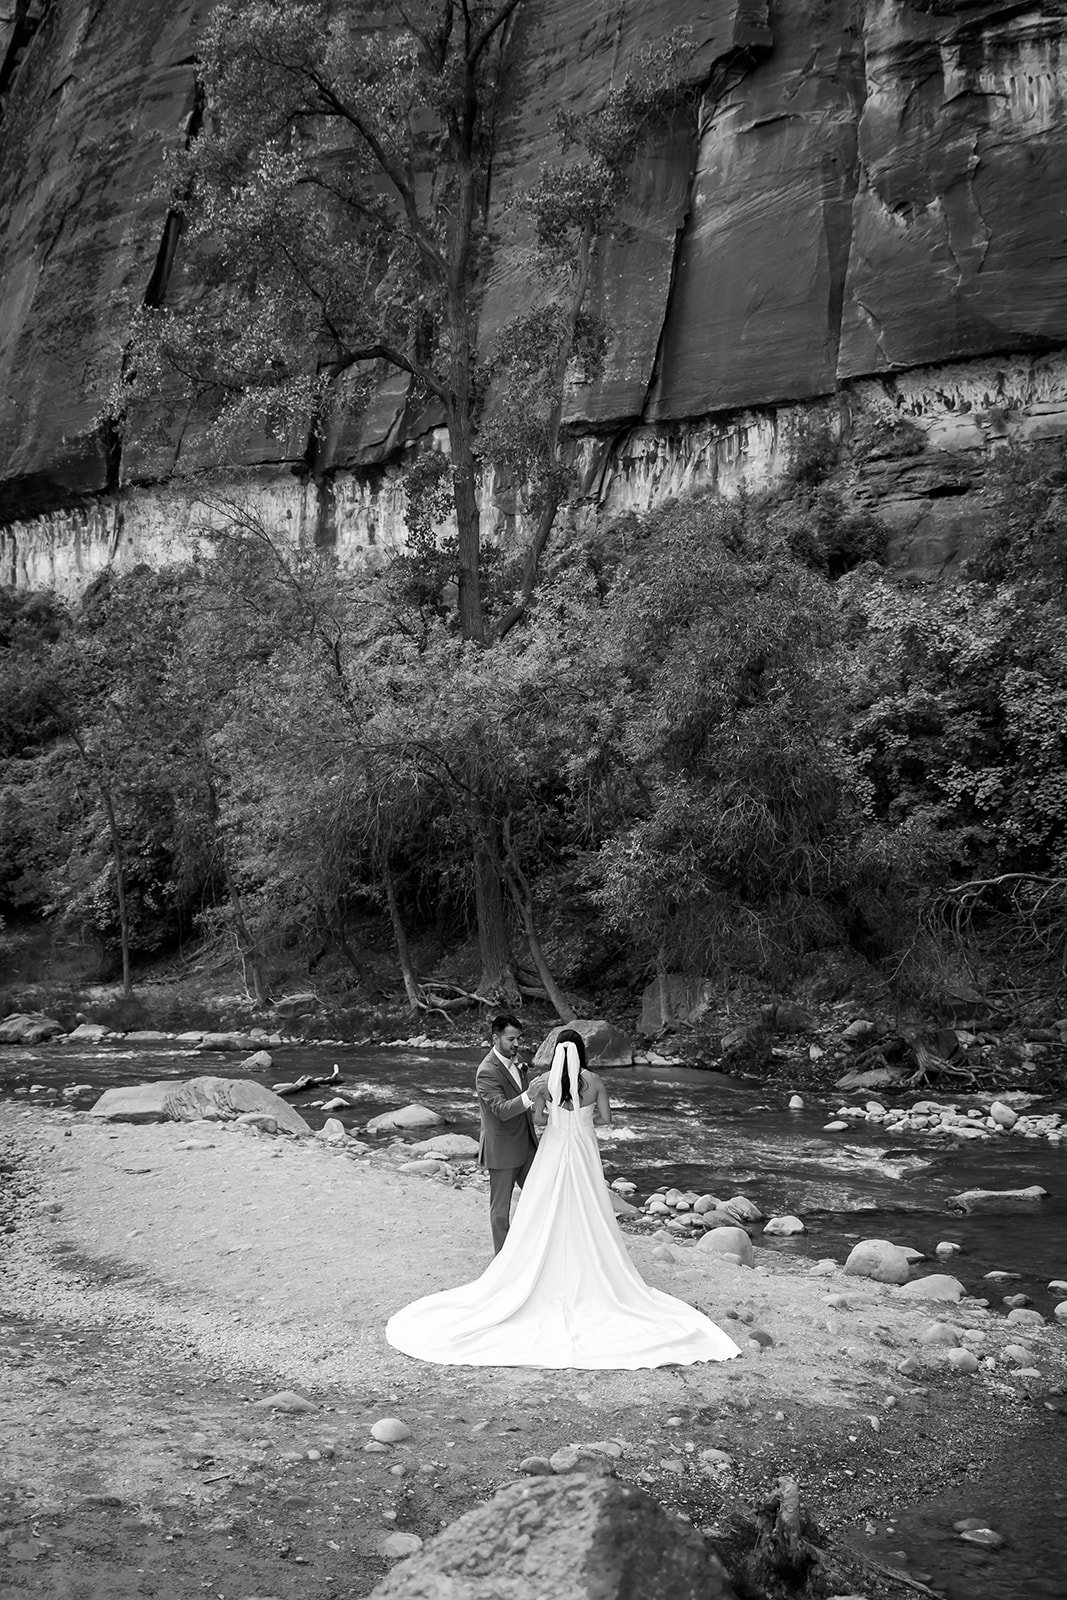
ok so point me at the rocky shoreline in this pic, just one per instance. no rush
(228, 1263)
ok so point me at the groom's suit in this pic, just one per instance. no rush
(508, 1143)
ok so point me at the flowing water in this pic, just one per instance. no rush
(691, 1129)
(699, 1130)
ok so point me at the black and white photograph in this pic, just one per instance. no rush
(533, 799)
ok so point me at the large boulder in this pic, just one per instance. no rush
(218, 1099)
(729, 1242)
(879, 1259)
(568, 1537)
(999, 1202)
(605, 1045)
(671, 1000)
(414, 1116)
(28, 1028)
(226, 1041)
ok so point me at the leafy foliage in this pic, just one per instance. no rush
(699, 749)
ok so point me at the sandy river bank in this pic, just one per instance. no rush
(162, 1283)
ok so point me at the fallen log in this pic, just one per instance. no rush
(308, 1081)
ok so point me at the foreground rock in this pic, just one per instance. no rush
(576, 1537)
(605, 1045)
(217, 1099)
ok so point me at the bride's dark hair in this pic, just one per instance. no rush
(571, 1036)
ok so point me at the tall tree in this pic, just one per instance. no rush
(336, 203)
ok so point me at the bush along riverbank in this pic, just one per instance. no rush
(198, 1353)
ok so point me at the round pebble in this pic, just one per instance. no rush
(390, 1430)
(397, 1545)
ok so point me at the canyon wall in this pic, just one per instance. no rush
(864, 222)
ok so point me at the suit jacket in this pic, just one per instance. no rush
(508, 1137)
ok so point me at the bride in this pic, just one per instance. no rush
(563, 1291)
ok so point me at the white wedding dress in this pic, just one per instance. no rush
(563, 1291)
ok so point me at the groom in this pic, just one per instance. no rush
(508, 1144)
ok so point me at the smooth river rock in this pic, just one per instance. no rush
(453, 1145)
(936, 1286)
(879, 1259)
(413, 1116)
(729, 1241)
(785, 1226)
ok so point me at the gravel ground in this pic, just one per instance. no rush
(189, 1271)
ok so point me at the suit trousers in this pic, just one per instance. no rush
(502, 1181)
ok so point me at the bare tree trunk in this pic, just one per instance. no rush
(498, 979)
(400, 938)
(245, 942)
(117, 856)
(464, 464)
(520, 894)
(553, 489)
(342, 941)
(120, 887)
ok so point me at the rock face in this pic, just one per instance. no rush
(575, 1537)
(863, 213)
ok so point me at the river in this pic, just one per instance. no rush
(692, 1129)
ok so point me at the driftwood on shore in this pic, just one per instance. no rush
(779, 1552)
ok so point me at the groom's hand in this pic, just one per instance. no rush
(538, 1085)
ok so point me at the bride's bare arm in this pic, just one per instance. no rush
(602, 1114)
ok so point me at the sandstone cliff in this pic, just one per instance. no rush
(866, 218)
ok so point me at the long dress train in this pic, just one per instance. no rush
(563, 1292)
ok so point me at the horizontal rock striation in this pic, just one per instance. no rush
(863, 221)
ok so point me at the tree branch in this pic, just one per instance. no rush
(496, 21)
(389, 168)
